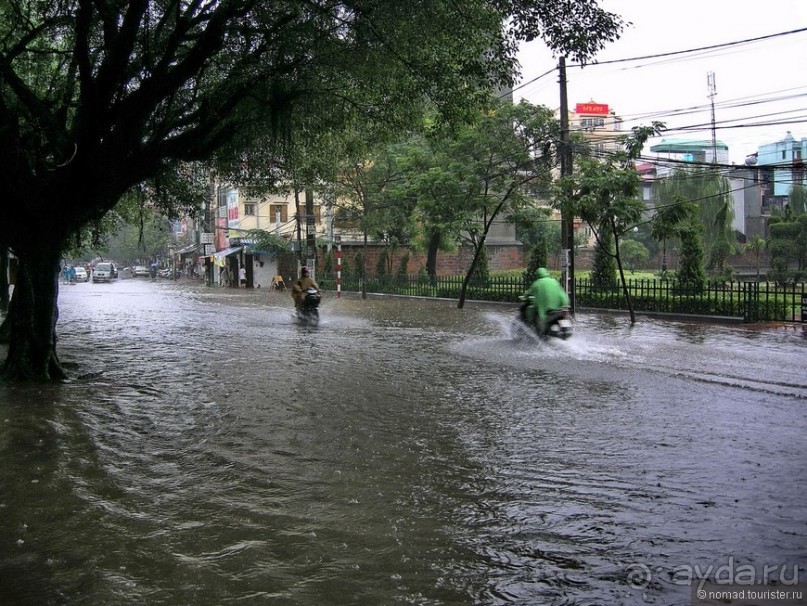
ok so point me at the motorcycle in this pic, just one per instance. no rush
(558, 322)
(308, 312)
(167, 273)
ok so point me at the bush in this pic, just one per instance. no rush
(328, 263)
(403, 265)
(538, 258)
(481, 275)
(603, 273)
(382, 263)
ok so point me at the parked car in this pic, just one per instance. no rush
(140, 271)
(81, 274)
(104, 272)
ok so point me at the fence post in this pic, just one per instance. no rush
(338, 268)
(803, 303)
(751, 302)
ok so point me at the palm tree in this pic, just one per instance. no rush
(756, 244)
(666, 224)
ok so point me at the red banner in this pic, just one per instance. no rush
(592, 109)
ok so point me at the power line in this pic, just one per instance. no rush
(727, 104)
(747, 123)
(693, 50)
(520, 86)
(668, 54)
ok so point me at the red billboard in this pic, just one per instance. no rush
(591, 109)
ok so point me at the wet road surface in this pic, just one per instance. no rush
(403, 452)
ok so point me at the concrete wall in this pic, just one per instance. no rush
(264, 268)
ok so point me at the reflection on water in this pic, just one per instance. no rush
(401, 452)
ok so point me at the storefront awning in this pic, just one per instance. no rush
(220, 254)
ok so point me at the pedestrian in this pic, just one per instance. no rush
(242, 277)
(224, 277)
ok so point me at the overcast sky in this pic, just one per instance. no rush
(756, 83)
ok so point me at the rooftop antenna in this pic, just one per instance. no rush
(710, 82)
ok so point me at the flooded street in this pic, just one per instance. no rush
(402, 452)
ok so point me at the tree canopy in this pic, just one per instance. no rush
(459, 181)
(98, 97)
(711, 192)
(605, 194)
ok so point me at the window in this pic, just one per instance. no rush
(591, 123)
(317, 214)
(221, 196)
(274, 209)
(249, 209)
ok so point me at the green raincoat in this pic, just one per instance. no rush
(547, 294)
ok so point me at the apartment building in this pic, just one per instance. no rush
(599, 125)
(675, 153)
(783, 162)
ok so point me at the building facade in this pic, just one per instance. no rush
(599, 125)
(237, 212)
(784, 161)
(750, 192)
(674, 153)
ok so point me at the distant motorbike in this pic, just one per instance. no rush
(308, 311)
(558, 322)
(166, 273)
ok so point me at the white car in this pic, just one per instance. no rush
(104, 272)
(81, 274)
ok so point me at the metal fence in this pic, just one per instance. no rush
(751, 301)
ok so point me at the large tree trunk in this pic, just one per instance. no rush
(4, 298)
(32, 318)
(5, 326)
(625, 289)
(466, 280)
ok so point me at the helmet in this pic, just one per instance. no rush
(303, 270)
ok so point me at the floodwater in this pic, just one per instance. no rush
(211, 451)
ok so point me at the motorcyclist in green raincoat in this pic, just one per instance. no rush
(546, 295)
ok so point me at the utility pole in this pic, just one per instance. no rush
(297, 218)
(210, 208)
(310, 233)
(710, 83)
(566, 221)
